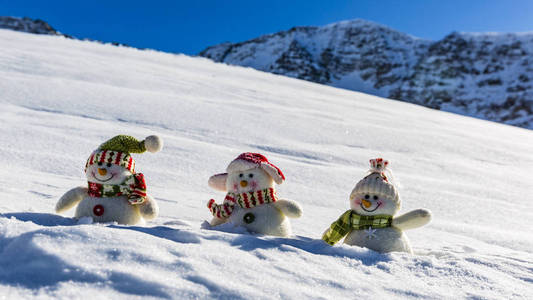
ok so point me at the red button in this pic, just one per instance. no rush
(98, 210)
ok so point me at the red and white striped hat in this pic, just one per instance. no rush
(248, 160)
(117, 151)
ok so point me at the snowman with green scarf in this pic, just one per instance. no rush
(251, 200)
(115, 192)
(371, 221)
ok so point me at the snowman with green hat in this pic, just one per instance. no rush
(115, 192)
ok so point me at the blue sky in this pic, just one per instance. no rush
(190, 26)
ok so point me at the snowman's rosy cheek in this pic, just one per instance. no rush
(253, 184)
(358, 201)
(235, 186)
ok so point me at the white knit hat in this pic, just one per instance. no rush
(376, 183)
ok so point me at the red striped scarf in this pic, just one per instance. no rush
(134, 187)
(244, 200)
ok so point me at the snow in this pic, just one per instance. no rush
(355, 82)
(61, 98)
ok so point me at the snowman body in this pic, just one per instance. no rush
(270, 218)
(265, 219)
(109, 209)
(382, 240)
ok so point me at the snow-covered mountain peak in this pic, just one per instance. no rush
(497, 34)
(485, 75)
(364, 24)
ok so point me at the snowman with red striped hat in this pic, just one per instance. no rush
(115, 192)
(251, 200)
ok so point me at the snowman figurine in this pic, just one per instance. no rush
(251, 200)
(115, 192)
(371, 221)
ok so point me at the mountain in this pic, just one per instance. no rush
(27, 25)
(61, 98)
(488, 76)
(38, 26)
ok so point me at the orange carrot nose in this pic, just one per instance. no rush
(102, 172)
(366, 203)
(244, 183)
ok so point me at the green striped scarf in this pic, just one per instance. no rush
(349, 221)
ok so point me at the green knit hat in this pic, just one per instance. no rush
(124, 143)
(117, 150)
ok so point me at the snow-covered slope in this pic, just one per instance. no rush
(61, 98)
(488, 76)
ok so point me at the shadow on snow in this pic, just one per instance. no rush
(248, 242)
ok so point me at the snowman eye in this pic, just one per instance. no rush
(251, 175)
(240, 175)
(367, 196)
(109, 165)
(248, 218)
(375, 197)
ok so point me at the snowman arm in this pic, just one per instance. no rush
(71, 198)
(217, 221)
(413, 219)
(289, 208)
(149, 209)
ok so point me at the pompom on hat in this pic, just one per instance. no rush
(117, 150)
(248, 160)
(377, 181)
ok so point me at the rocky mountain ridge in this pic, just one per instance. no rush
(27, 25)
(485, 75)
(38, 26)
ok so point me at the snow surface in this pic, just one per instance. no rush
(61, 98)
